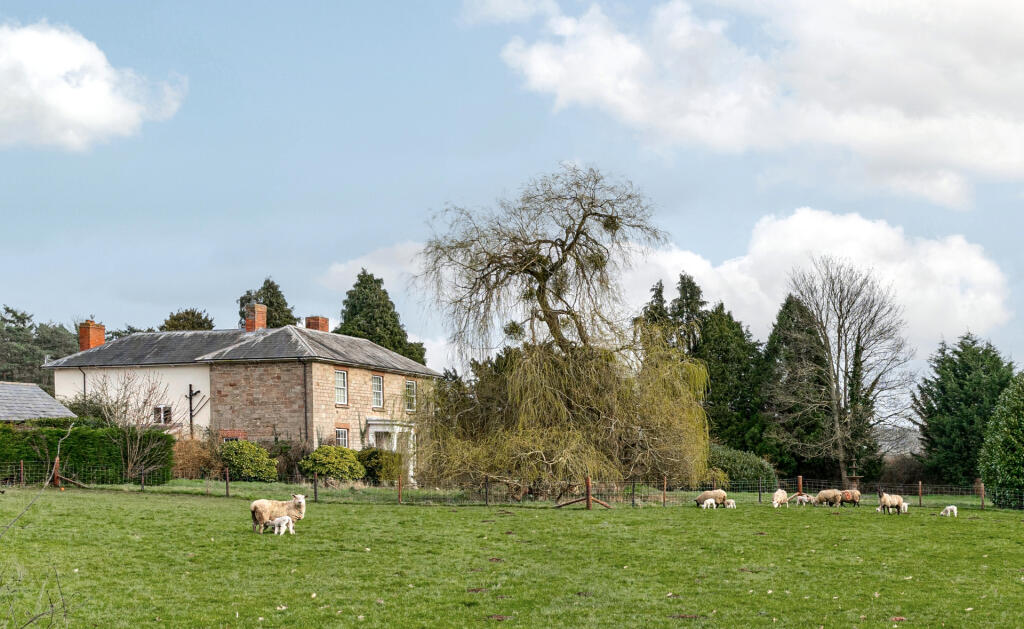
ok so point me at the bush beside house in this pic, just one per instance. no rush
(335, 462)
(380, 465)
(247, 461)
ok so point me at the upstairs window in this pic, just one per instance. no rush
(162, 414)
(377, 386)
(341, 387)
(410, 396)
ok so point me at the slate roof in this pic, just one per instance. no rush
(286, 343)
(20, 400)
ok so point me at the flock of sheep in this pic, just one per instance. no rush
(281, 515)
(889, 503)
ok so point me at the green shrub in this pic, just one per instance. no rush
(335, 462)
(741, 466)
(248, 461)
(94, 454)
(381, 465)
(1001, 461)
(64, 422)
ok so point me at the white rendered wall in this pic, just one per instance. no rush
(173, 379)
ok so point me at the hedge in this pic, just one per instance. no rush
(381, 465)
(335, 462)
(94, 451)
(741, 466)
(248, 461)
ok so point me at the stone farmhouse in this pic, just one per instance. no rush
(259, 384)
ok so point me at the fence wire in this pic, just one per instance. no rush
(638, 493)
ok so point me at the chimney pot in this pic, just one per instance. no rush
(320, 324)
(255, 317)
(90, 335)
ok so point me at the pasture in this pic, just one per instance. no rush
(131, 559)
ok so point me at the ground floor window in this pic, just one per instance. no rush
(226, 439)
(341, 437)
(162, 414)
(382, 440)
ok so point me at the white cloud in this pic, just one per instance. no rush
(476, 11)
(946, 285)
(927, 94)
(395, 264)
(57, 88)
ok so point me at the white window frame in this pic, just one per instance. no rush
(341, 392)
(377, 387)
(227, 439)
(166, 414)
(340, 435)
(410, 398)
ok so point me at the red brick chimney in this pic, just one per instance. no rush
(318, 323)
(255, 317)
(90, 335)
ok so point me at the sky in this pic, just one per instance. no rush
(162, 155)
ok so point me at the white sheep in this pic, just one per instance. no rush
(803, 499)
(717, 495)
(709, 504)
(905, 507)
(263, 511)
(949, 511)
(779, 498)
(889, 502)
(730, 504)
(282, 524)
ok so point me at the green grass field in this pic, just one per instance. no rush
(183, 561)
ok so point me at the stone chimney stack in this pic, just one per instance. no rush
(320, 324)
(90, 335)
(255, 317)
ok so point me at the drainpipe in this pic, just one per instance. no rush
(305, 397)
(83, 381)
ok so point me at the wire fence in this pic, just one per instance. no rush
(636, 493)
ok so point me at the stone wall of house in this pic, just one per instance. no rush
(329, 415)
(258, 401)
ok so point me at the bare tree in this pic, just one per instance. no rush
(848, 364)
(544, 264)
(136, 403)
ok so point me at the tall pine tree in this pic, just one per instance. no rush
(369, 313)
(187, 319)
(279, 313)
(954, 403)
(24, 346)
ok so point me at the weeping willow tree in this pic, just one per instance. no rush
(578, 389)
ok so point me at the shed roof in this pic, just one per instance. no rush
(23, 400)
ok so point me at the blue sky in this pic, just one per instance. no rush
(230, 141)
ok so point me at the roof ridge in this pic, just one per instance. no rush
(243, 340)
(294, 331)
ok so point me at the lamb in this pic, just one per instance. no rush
(887, 503)
(263, 511)
(949, 511)
(730, 504)
(829, 497)
(803, 499)
(717, 494)
(850, 495)
(709, 504)
(282, 524)
(779, 498)
(905, 507)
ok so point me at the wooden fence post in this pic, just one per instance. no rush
(664, 489)
(399, 488)
(22, 473)
(799, 484)
(633, 493)
(983, 495)
(142, 481)
(227, 483)
(56, 472)
(487, 491)
(590, 497)
(920, 494)
(759, 490)
(316, 487)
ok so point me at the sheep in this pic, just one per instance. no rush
(717, 494)
(887, 503)
(779, 498)
(829, 497)
(849, 495)
(803, 499)
(905, 507)
(282, 524)
(730, 504)
(709, 504)
(263, 511)
(949, 511)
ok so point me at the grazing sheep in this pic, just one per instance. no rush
(887, 503)
(949, 511)
(851, 496)
(717, 494)
(779, 498)
(282, 524)
(709, 504)
(905, 507)
(803, 499)
(263, 511)
(730, 504)
(829, 497)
